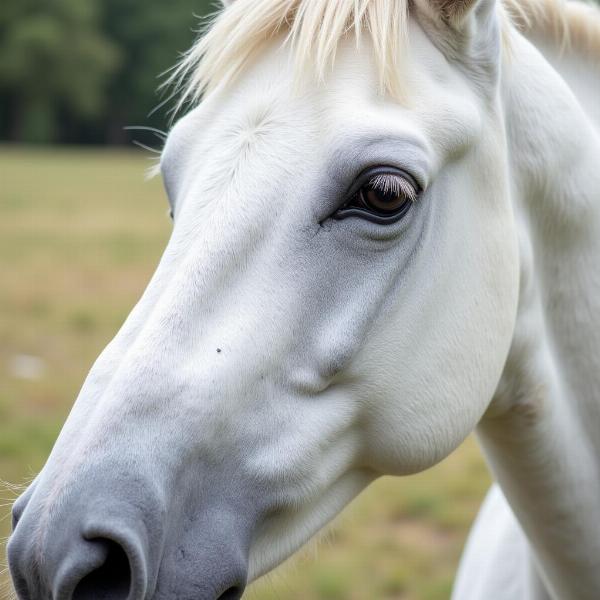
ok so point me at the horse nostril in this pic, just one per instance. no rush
(111, 580)
(233, 593)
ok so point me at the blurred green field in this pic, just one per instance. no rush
(80, 234)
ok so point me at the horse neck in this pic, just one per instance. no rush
(541, 433)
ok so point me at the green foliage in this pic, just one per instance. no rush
(52, 56)
(80, 70)
(152, 35)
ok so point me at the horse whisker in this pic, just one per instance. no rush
(146, 147)
(158, 132)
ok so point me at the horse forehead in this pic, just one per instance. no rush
(270, 98)
(270, 119)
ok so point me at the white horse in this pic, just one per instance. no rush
(387, 235)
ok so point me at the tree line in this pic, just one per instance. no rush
(79, 71)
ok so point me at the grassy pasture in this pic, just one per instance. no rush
(80, 234)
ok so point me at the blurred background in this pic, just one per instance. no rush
(78, 71)
(81, 231)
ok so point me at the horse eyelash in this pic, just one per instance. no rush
(394, 184)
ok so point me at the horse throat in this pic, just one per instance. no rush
(540, 434)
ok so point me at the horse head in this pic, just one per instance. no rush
(336, 302)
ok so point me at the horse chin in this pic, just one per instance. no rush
(286, 530)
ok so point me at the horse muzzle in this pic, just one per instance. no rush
(103, 540)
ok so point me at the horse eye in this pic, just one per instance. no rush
(385, 197)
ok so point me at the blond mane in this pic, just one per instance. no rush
(314, 29)
(573, 25)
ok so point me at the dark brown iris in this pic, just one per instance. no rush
(384, 195)
(382, 201)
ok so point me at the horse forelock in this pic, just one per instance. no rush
(314, 29)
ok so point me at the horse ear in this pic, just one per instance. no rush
(456, 12)
(469, 30)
